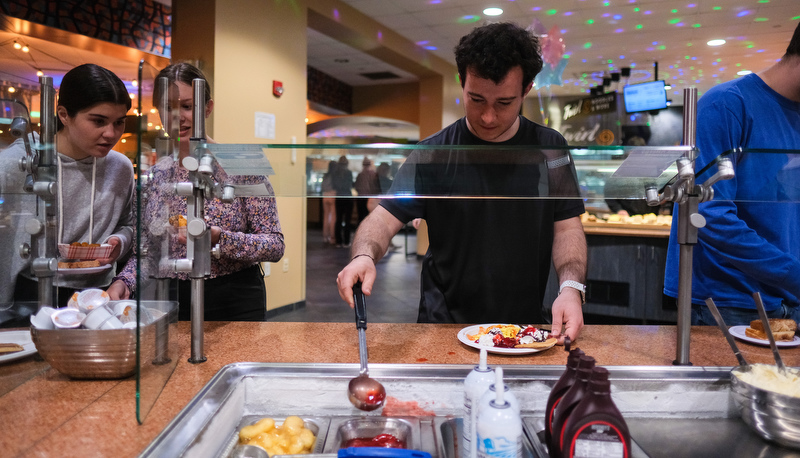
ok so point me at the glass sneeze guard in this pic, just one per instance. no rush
(157, 350)
(495, 176)
(20, 145)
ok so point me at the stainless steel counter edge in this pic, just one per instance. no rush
(184, 428)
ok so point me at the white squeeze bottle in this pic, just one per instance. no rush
(499, 425)
(475, 385)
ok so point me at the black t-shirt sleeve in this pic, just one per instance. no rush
(401, 201)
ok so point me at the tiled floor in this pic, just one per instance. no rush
(395, 296)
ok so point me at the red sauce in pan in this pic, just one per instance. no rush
(381, 440)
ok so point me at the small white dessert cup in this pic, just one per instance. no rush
(102, 318)
(67, 318)
(91, 299)
(42, 319)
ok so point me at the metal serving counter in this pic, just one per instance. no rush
(671, 411)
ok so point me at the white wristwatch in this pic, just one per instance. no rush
(573, 284)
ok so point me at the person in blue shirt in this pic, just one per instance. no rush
(751, 241)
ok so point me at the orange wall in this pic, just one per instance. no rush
(394, 101)
(243, 45)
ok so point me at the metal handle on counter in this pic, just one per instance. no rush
(361, 325)
(360, 306)
(762, 313)
(721, 323)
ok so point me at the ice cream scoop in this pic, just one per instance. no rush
(364, 392)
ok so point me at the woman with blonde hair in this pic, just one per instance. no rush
(247, 229)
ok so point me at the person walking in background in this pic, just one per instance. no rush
(384, 177)
(488, 259)
(329, 205)
(247, 229)
(751, 241)
(366, 185)
(343, 184)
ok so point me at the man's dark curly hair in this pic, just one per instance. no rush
(794, 45)
(492, 50)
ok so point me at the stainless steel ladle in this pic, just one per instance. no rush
(364, 392)
(762, 313)
(721, 323)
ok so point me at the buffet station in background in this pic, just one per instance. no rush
(213, 389)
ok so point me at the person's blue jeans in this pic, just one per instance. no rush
(734, 316)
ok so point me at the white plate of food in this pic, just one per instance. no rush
(83, 270)
(21, 338)
(471, 335)
(739, 333)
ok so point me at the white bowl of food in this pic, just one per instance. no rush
(84, 251)
(769, 401)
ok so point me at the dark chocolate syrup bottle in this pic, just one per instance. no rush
(559, 389)
(596, 427)
(569, 401)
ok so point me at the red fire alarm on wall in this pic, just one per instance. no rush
(277, 88)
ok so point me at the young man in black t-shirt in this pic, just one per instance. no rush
(489, 257)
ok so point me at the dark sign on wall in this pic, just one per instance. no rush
(329, 92)
(591, 121)
(606, 103)
(600, 120)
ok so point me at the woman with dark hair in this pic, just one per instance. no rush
(95, 185)
(247, 230)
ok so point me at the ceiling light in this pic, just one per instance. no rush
(717, 42)
(39, 73)
(743, 72)
(17, 45)
(11, 89)
(667, 86)
(134, 83)
(25, 49)
(493, 11)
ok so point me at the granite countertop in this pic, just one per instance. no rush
(52, 415)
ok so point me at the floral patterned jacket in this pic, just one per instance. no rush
(251, 232)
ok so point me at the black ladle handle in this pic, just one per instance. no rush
(361, 306)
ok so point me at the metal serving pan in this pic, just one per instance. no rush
(671, 411)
